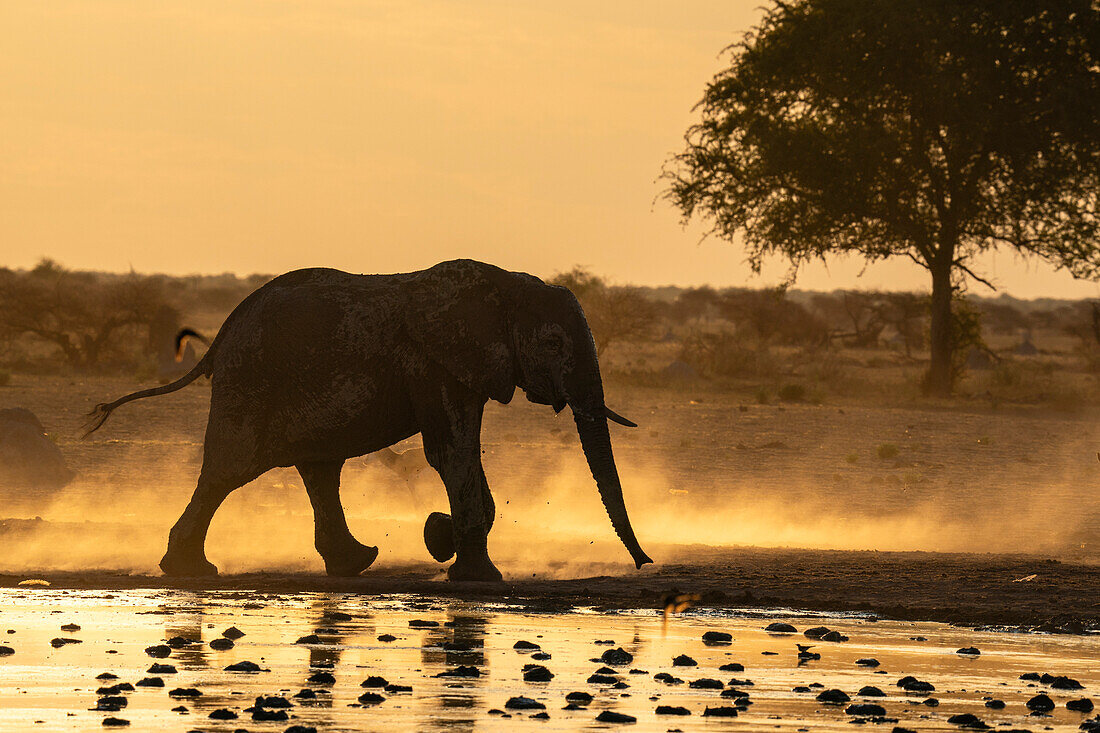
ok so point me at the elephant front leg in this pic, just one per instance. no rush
(472, 512)
(343, 555)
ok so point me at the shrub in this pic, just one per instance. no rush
(792, 393)
(886, 451)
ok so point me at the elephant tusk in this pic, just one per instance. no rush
(615, 417)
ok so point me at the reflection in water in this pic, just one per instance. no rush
(57, 686)
(459, 642)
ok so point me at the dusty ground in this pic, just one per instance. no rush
(956, 588)
(711, 482)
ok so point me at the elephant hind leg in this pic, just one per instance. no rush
(343, 554)
(186, 554)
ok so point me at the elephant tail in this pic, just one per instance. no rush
(103, 410)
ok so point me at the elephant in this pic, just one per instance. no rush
(319, 366)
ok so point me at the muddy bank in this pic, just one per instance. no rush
(955, 588)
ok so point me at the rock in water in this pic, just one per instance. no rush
(523, 703)
(617, 656)
(833, 697)
(28, 458)
(439, 536)
(610, 716)
(1041, 703)
(780, 628)
(714, 638)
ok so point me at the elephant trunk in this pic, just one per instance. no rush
(596, 442)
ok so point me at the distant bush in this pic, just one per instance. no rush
(792, 393)
(725, 354)
(886, 451)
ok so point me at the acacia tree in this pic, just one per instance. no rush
(931, 130)
(75, 311)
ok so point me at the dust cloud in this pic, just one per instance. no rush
(550, 522)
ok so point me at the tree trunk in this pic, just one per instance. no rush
(940, 378)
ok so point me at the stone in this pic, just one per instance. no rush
(867, 662)
(522, 645)
(705, 683)
(223, 714)
(601, 679)
(184, 692)
(461, 671)
(684, 661)
(115, 723)
(243, 666)
(523, 703)
(816, 632)
(833, 697)
(870, 691)
(309, 639)
(322, 678)
(968, 720)
(150, 682)
(618, 656)
(374, 681)
(537, 673)
(865, 710)
(834, 636)
(579, 697)
(779, 627)
(63, 641)
(1063, 683)
(671, 710)
(158, 651)
(1041, 703)
(732, 667)
(371, 698)
(232, 633)
(720, 712)
(28, 458)
(221, 644)
(1084, 705)
(717, 637)
(969, 651)
(610, 716)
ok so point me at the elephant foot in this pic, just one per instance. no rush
(439, 536)
(480, 569)
(177, 564)
(349, 563)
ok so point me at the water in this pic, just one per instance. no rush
(51, 689)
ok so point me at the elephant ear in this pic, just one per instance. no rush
(459, 317)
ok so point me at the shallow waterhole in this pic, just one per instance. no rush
(43, 688)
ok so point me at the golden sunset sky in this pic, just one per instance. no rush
(212, 136)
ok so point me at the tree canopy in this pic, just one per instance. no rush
(932, 130)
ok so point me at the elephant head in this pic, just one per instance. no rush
(495, 330)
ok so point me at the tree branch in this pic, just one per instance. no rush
(968, 271)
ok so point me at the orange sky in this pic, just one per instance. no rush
(211, 136)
